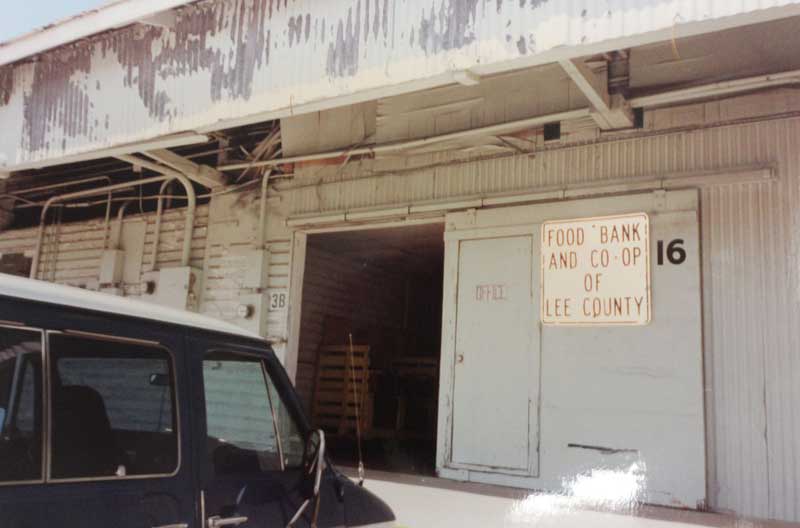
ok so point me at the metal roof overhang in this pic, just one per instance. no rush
(108, 16)
(227, 64)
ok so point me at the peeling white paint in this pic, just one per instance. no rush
(235, 61)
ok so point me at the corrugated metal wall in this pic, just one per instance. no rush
(224, 233)
(752, 322)
(751, 251)
(71, 252)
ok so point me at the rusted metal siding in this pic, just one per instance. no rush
(751, 256)
(226, 60)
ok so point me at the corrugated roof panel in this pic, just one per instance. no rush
(244, 60)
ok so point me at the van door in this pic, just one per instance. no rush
(107, 408)
(251, 447)
(117, 431)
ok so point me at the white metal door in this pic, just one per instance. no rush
(497, 354)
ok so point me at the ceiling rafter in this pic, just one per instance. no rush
(610, 112)
(202, 174)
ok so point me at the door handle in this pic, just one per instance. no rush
(218, 522)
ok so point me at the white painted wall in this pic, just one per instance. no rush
(750, 246)
(621, 398)
(71, 252)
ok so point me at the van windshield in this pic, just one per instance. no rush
(249, 428)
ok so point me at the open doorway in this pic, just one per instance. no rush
(384, 287)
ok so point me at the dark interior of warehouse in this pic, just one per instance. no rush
(383, 288)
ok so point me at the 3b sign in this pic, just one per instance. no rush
(596, 271)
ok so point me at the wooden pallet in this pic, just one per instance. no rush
(334, 401)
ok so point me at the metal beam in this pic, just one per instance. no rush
(718, 89)
(202, 174)
(609, 112)
(173, 140)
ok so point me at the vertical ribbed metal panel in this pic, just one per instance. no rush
(751, 311)
(735, 347)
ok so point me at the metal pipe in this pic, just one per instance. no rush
(30, 204)
(718, 89)
(159, 210)
(17, 195)
(416, 143)
(118, 234)
(226, 190)
(81, 194)
(60, 185)
(15, 198)
(261, 241)
(53, 244)
(107, 222)
(190, 195)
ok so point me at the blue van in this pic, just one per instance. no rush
(117, 413)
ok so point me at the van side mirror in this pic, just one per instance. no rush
(315, 458)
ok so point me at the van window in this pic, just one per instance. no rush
(113, 409)
(249, 428)
(20, 405)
